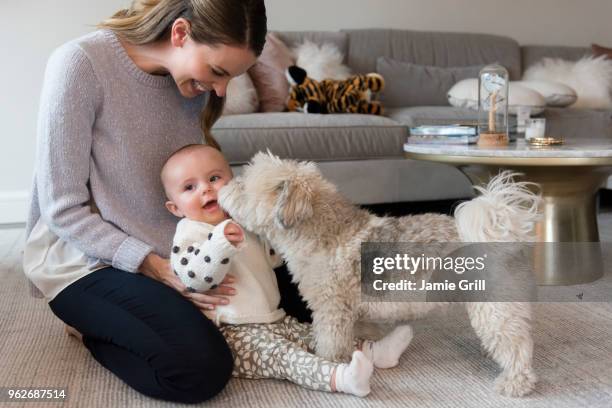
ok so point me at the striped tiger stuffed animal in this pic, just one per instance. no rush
(352, 95)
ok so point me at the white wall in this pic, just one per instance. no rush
(30, 30)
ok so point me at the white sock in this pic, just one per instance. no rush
(354, 378)
(385, 353)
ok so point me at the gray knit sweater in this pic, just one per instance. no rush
(105, 128)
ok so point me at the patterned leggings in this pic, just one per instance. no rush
(282, 350)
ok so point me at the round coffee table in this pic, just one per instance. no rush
(568, 176)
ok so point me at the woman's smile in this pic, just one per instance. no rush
(199, 87)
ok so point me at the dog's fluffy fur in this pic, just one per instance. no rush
(319, 233)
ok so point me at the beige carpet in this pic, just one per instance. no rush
(443, 367)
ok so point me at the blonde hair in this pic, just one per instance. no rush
(229, 22)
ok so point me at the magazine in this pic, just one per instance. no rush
(443, 134)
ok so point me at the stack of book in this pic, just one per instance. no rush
(443, 134)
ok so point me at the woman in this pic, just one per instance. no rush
(114, 105)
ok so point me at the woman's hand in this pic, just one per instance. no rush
(233, 233)
(209, 299)
(158, 268)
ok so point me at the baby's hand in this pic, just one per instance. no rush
(233, 233)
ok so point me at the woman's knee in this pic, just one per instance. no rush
(170, 351)
(193, 376)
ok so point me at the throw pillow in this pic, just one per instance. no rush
(240, 96)
(598, 51)
(555, 94)
(590, 77)
(321, 61)
(410, 84)
(268, 75)
(464, 94)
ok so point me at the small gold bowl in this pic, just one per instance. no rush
(545, 141)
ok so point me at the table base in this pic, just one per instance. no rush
(569, 216)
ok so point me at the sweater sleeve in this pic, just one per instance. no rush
(70, 97)
(202, 265)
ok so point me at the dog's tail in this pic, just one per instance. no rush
(505, 211)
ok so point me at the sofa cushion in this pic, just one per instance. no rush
(433, 115)
(531, 54)
(394, 180)
(309, 136)
(408, 84)
(431, 48)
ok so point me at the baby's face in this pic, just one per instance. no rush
(192, 181)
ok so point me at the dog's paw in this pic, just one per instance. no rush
(516, 385)
(335, 356)
(333, 351)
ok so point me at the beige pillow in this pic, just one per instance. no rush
(464, 94)
(268, 75)
(555, 94)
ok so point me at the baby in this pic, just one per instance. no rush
(265, 342)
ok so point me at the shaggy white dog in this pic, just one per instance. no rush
(319, 233)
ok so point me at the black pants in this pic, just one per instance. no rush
(151, 337)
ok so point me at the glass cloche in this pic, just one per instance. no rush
(493, 83)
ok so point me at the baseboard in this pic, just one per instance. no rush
(13, 207)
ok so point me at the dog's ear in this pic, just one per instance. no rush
(294, 203)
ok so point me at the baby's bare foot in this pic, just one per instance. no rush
(73, 332)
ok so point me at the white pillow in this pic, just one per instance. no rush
(321, 62)
(464, 94)
(555, 94)
(590, 77)
(240, 96)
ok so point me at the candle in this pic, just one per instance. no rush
(522, 115)
(536, 128)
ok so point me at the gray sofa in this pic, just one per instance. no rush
(362, 154)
